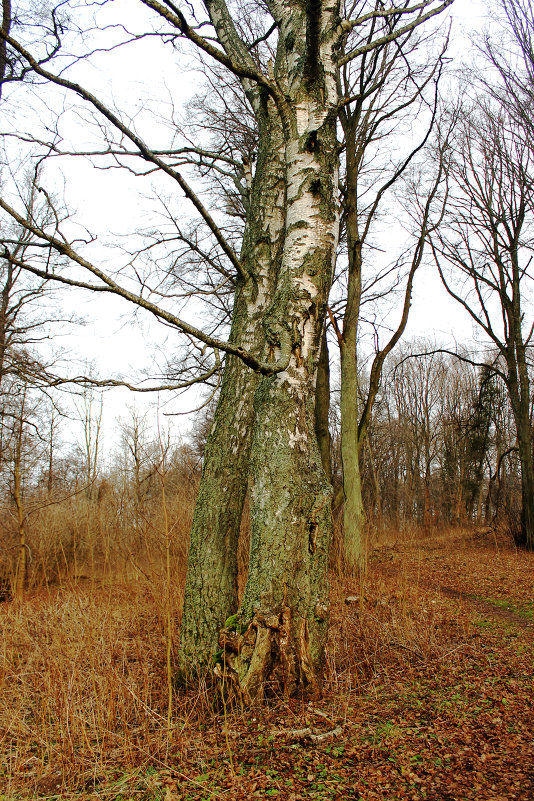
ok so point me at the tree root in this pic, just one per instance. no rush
(271, 654)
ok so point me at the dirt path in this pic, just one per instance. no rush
(487, 607)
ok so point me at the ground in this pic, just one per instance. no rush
(428, 692)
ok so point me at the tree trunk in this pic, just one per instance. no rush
(525, 536)
(518, 385)
(211, 583)
(275, 642)
(322, 407)
(285, 607)
(20, 572)
(525, 439)
(353, 514)
(6, 25)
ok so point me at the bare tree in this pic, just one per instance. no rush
(511, 53)
(383, 94)
(6, 26)
(484, 254)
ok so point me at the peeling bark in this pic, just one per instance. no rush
(284, 613)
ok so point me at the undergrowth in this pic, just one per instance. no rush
(419, 696)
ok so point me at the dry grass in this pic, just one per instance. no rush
(83, 695)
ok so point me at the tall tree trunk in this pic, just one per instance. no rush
(276, 640)
(285, 606)
(322, 407)
(20, 572)
(211, 583)
(6, 25)
(525, 537)
(524, 424)
(518, 385)
(353, 514)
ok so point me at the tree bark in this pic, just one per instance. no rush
(519, 389)
(21, 568)
(322, 407)
(353, 513)
(6, 25)
(211, 583)
(276, 640)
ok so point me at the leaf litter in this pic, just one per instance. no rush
(428, 694)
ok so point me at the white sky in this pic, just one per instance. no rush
(109, 201)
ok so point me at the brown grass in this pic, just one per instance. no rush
(83, 695)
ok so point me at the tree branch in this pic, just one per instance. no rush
(144, 150)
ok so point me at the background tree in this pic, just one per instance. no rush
(382, 92)
(6, 26)
(483, 253)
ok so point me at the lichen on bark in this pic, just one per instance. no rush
(211, 583)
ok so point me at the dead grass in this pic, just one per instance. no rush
(83, 696)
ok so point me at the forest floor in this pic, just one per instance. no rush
(429, 693)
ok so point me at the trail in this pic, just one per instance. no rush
(486, 606)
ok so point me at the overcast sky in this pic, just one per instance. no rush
(109, 338)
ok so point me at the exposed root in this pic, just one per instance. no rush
(272, 655)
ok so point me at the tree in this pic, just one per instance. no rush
(6, 26)
(512, 55)
(264, 426)
(483, 253)
(363, 127)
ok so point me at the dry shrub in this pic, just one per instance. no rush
(83, 670)
(83, 688)
(103, 532)
(385, 623)
(83, 696)
(82, 674)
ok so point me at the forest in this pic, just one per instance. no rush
(298, 563)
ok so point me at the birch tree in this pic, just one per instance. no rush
(263, 433)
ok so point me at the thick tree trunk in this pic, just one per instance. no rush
(524, 432)
(525, 536)
(285, 608)
(6, 25)
(211, 584)
(276, 640)
(520, 398)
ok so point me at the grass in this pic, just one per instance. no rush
(426, 703)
